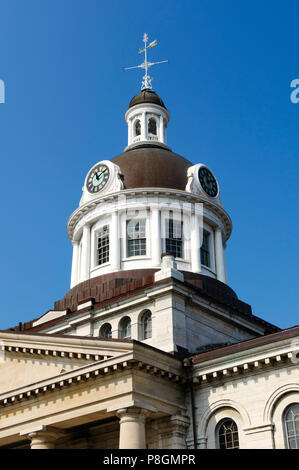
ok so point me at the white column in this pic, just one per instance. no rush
(85, 254)
(143, 127)
(156, 236)
(161, 130)
(75, 260)
(42, 440)
(114, 242)
(132, 428)
(219, 256)
(129, 131)
(122, 234)
(195, 244)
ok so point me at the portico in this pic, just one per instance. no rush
(117, 391)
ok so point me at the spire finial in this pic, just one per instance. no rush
(147, 80)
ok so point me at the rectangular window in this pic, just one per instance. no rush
(205, 251)
(174, 240)
(103, 245)
(136, 232)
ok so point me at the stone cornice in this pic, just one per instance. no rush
(79, 213)
(120, 364)
(249, 362)
(62, 346)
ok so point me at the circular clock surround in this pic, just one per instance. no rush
(97, 178)
(208, 181)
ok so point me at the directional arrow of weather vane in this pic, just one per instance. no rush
(147, 80)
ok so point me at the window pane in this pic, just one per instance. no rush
(106, 331)
(174, 240)
(204, 250)
(136, 233)
(228, 437)
(146, 324)
(125, 328)
(293, 444)
(103, 245)
(291, 422)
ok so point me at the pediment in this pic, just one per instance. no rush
(51, 315)
(27, 359)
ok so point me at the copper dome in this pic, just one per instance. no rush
(147, 96)
(152, 166)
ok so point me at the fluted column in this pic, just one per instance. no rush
(85, 254)
(132, 428)
(42, 439)
(75, 260)
(195, 244)
(156, 236)
(115, 242)
(219, 255)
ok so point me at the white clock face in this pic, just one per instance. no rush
(97, 178)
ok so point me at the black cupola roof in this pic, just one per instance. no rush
(147, 96)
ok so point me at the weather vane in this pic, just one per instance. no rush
(147, 80)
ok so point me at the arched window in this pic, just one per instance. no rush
(106, 331)
(152, 126)
(291, 425)
(146, 325)
(137, 128)
(227, 434)
(125, 328)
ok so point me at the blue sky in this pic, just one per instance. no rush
(227, 87)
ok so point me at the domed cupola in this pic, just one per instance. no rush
(147, 96)
(147, 119)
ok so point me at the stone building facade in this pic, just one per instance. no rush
(150, 347)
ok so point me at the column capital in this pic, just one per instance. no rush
(219, 231)
(43, 437)
(132, 414)
(132, 427)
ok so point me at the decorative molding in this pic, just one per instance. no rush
(47, 353)
(276, 396)
(243, 368)
(214, 407)
(122, 196)
(85, 373)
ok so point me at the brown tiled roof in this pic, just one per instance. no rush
(109, 288)
(243, 345)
